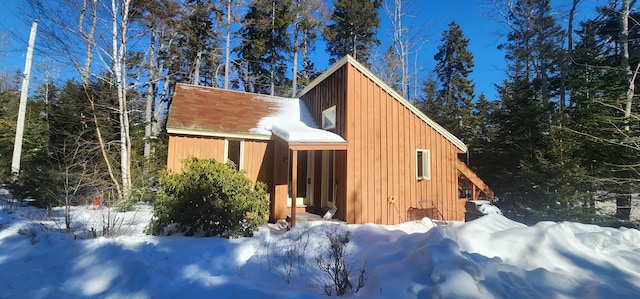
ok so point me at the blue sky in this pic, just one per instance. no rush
(428, 18)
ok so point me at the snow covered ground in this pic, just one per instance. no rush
(491, 257)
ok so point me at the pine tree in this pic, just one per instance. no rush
(353, 29)
(9, 99)
(200, 43)
(264, 47)
(34, 181)
(454, 63)
(524, 117)
(599, 85)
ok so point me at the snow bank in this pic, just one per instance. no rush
(491, 257)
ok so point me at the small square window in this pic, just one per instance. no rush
(423, 164)
(329, 118)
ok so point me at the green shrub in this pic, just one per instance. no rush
(209, 197)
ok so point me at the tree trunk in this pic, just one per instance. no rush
(228, 45)
(272, 72)
(120, 70)
(196, 69)
(401, 47)
(565, 61)
(151, 93)
(624, 24)
(84, 75)
(296, 49)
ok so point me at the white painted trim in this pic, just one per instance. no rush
(218, 134)
(241, 166)
(348, 59)
(426, 164)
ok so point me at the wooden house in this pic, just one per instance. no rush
(348, 140)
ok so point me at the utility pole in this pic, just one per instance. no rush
(22, 109)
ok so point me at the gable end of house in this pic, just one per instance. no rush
(361, 68)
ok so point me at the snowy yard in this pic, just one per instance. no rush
(492, 257)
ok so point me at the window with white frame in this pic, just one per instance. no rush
(329, 118)
(423, 164)
(233, 151)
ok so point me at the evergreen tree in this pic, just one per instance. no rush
(34, 179)
(353, 29)
(598, 87)
(200, 43)
(9, 99)
(454, 63)
(524, 118)
(264, 46)
(388, 69)
(429, 103)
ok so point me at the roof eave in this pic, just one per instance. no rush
(177, 131)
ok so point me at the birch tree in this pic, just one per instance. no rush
(401, 45)
(119, 39)
(630, 75)
(102, 27)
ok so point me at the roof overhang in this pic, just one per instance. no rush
(313, 146)
(174, 131)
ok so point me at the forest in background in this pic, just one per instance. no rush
(561, 134)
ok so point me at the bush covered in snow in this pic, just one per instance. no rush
(211, 198)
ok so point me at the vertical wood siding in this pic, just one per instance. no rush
(383, 136)
(256, 162)
(328, 93)
(181, 147)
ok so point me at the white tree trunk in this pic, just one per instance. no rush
(227, 46)
(296, 49)
(624, 23)
(400, 44)
(273, 35)
(119, 40)
(151, 95)
(88, 37)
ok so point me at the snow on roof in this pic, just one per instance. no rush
(292, 122)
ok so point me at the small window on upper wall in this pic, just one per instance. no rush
(329, 118)
(423, 164)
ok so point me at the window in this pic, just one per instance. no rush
(329, 118)
(233, 152)
(423, 164)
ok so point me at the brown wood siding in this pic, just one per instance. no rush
(181, 147)
(380, 161)
(257, 164)
(256, 153)
(383, 138)
(330, 92)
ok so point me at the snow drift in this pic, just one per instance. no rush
(491, 257)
